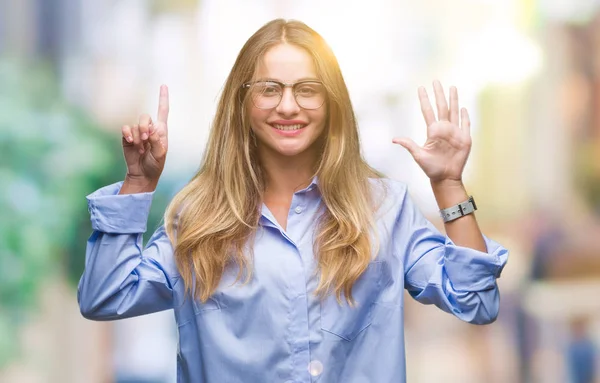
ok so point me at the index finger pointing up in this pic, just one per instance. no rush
(163, 104)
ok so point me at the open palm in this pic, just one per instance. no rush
(448, 144)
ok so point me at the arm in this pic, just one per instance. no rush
(465, 230)
(443, 158)
(457, 279)
(121, 279)
(457, 273)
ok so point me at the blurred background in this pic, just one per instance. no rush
(72, 72)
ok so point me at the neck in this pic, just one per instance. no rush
(286, 175)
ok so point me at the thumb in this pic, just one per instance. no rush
(408, 144)
(157, 148)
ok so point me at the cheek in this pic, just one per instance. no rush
(257, 117)
(319, 117)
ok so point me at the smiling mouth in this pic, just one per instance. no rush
(288, 127)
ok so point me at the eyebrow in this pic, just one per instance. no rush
(283, 82)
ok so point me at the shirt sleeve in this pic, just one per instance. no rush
(459, 280)
(121, 278)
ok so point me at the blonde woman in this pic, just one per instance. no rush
(285, 258)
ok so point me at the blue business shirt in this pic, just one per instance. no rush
(273, 329)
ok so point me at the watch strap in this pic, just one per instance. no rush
(459, 210)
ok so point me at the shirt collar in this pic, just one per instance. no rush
(314, 184)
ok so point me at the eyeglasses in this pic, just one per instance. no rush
(308, 94)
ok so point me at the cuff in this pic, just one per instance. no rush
(119, 214)
(473, 270)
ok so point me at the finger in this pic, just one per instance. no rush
(137, 140)
(426, 108)
(145, 122)
(135, 133)
(409, 145)
(440, 101)
(157, 147)
(126, 132)
(465, 121)
(163, 104)
(454, 105)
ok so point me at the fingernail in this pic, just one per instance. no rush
(144, 136)
(129, 139)
(141, 151)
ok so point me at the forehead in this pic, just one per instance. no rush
(286, 63)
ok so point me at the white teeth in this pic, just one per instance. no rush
(288, 127)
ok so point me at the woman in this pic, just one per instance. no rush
(286, 256)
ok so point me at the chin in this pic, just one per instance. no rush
(290, 152)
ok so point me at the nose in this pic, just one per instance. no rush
(288, 105)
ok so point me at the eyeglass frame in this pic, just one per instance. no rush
(284, 85)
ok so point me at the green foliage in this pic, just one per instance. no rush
(52, 155)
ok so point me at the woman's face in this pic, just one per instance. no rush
(287, 129)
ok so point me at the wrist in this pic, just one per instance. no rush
(449, 192)
(459, 210)
(137, 184)
(449, 183)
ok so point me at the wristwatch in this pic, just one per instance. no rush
(460, 210)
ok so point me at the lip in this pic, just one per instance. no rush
(288, 133)
(288, 122)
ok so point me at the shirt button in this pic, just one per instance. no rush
(315, 368)
(298, 210)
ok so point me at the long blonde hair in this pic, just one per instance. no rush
(214, 217)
